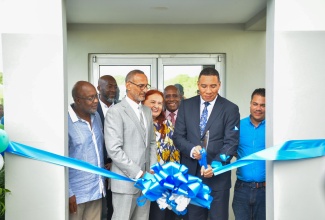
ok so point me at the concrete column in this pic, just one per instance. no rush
(35, 96)
(295, 105)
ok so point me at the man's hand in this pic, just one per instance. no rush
(73, 204)
(196, 152)
(206, 173)
(108, 166)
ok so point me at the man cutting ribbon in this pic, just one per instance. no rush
(208, 112)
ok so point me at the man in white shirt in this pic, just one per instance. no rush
(85, 138)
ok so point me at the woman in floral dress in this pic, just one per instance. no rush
(166, 150)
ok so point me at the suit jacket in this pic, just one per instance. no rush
(223, 125)
(127, 146)
(102, 117)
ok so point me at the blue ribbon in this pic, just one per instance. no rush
(203, 160)
(37, 154)
(172, 178)
(290, 150)
(169, 179)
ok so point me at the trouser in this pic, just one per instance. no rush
(249, 201)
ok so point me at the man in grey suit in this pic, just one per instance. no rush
(130, 143)
(197, 115)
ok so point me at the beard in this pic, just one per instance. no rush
(91, 110)
(111, 100)
(108, 99)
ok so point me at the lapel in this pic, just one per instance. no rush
(215, 113)
(100, 112)
(196, 114)
(147, 114)
(134, 118)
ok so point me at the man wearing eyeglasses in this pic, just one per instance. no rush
(107, 88)
(86, 144)
(131, 144)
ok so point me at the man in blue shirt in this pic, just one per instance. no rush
(85, 143)
(249, 194)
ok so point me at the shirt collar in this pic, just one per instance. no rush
(261, 123)
(211, 103)
(133, 104)
(104, 105)
(74, 117)
(168, 112)
(72, 114)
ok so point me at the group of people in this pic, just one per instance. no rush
(150, 126)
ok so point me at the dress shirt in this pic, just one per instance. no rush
(135, 107)
(104, 107)
(168, 116)
(251, 140)
(86, 144)
(209, 107)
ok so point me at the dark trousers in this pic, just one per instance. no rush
(157, 214)
(107, 209)
(219, 208)
(249, 201)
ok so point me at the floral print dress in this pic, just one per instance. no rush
(166, 150)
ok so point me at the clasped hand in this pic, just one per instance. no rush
(207, 173)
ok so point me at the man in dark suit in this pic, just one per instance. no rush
(222, 122)
(107, 89)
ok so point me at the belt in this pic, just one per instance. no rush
(255, 185)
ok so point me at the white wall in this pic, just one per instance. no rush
(36, 110)
(245, 50)
(295, 84)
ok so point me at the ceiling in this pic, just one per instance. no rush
(250, 13)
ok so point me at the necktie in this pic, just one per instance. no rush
(172, 118)
(141, 119)
(204, 117)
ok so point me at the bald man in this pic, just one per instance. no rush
(86, 140)
(172, 101)
(107, 88)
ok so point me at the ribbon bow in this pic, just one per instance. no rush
(173, 188)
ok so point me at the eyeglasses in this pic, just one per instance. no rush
(91, 98)
(141, 86)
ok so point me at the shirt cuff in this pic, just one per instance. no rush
(192, 153)
(139, 174)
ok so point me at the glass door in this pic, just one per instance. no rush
(181, 70)
(119, 67)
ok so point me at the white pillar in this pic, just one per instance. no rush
(295, 76)
(35, 96)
